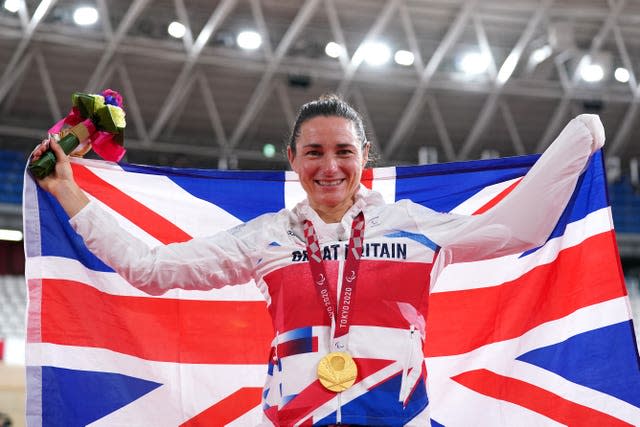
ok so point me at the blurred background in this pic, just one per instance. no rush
(216, 84)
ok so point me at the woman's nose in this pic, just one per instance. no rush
(330, 164)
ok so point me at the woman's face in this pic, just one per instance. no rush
(329, 161)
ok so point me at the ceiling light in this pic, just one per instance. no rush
(621, 75)
(249, 40)
(473, 63)
(12, 5)
(268, 150)
(176, 29)
(333, 49)
(591, 73)
(10, 235)
(403, 57)
(85, 15)
(540, 54)
(376, 53)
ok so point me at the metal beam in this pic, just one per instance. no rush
(215, 20)
(622, 135)
(40, 13)
(285, 103)
(7, 83)
(409, 32)
(103, 10)
(441, 128)
(503, 75)
(264, 86)
(358, 56)
(336, 31)
(183, 17)
(129, 18)
(158, 146)
(415, 105)
(212, 111)
(561, 110)
(133, 107)
(49, 93)
(516, 141)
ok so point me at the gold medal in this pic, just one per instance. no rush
(337, 371)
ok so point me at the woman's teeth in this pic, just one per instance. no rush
(331, 183)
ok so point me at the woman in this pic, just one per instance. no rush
(345, 275)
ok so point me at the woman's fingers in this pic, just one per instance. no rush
(40, 149)
(57, 150)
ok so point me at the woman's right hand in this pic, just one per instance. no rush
(62, 175)
(60, 182)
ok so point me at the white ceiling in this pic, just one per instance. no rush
(204, 102)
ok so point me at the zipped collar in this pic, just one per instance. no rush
(363, 198)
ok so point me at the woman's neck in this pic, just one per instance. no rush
(333, 214)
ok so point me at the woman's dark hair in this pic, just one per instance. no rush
(327, 105)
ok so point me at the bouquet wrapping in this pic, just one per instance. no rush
(95, 121)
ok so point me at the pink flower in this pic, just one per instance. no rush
(112, 97)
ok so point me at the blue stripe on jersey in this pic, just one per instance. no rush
(59, 239)
(294, 334)
(617, 370)
(420, 238)
(244, 194)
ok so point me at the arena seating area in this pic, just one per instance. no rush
(13, 301)
(11, 176)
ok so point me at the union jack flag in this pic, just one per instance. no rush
(539, 338)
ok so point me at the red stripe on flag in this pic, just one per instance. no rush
(535, 398)
(136, 212)
(367, 178)
(586, 274)
(491, 203)
(171, 330)
(228, 409)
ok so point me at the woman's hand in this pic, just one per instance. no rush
(60, 183)
(62, 175)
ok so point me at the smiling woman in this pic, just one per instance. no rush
(329, 159)
(347, 276)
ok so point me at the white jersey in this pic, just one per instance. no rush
(405, 247)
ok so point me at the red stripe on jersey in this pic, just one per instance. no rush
(460, 321)
(381, 286)
(535, 398)
(228, 409)
(136, 212)
(491, 203)
(171, 330)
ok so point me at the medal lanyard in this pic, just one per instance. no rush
(349, 276)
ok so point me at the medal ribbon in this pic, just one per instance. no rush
(349, 274)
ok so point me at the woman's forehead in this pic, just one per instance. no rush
(320, 129)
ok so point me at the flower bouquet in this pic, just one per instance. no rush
(95, 121)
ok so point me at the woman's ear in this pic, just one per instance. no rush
(365, 153)
(291, 156)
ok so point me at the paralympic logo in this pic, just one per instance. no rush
(321, 280)
(351, 277)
